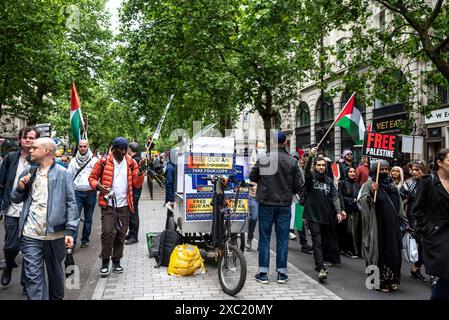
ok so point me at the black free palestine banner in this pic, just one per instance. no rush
(380, 145)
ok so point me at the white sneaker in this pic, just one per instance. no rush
(291, 236)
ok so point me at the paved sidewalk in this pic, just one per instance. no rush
(142, 281)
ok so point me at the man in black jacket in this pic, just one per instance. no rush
(278, 178)
(322, 208)
(132, 236)
(13, 165)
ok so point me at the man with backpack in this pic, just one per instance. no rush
(133, 232)
(80, 167)
(115, 177)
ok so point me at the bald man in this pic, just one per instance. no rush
(48, 221)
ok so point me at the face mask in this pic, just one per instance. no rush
(383, 176)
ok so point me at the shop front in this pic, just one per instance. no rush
(437, 133)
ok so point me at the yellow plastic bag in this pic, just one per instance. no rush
(186, 260)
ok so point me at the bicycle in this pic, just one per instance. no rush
(232, 267)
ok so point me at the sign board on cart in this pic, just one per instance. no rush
(208, 156)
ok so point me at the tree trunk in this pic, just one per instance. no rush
(267, 126)
(229, 121)
(434, 55)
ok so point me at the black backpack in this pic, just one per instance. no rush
(169, 240)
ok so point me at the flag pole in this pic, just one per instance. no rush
(335, 121)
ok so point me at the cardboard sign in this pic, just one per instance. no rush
(210, 163)
(199, 206)
(379, 145)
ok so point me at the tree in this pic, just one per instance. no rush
(374, 53)
(42, 51)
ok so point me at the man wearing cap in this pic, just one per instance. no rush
(278, 178)
(118, 174)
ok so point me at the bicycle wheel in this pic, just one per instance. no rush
(232, 271)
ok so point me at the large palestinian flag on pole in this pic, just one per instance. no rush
(351, 119)
(76, 118)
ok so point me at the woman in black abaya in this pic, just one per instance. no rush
(382, 223)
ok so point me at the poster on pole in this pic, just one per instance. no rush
(412, 144)
(380, 145)
(157, 133)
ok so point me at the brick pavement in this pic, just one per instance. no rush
(142, 281)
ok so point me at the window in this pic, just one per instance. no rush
(390, 88)
(338, 49)
(443, 94)
(324, 110)
(359, 102)
(302, 115)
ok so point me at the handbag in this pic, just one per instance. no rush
(69, 261)
(409, 248)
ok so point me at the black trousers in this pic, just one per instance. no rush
(11, 247)
(150, 184)
(134, 219)
(303, 236)
(324, 243)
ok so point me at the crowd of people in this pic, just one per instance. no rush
(42, 199)
(361, 214)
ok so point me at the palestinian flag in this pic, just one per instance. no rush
(76, 118)
(351, 119)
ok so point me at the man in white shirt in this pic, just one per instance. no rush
(115, 178)
(13, 165)
(80, 167)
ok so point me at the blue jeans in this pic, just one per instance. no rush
(253, 216)
(280, 216)
(86, 200)
(441, 290)
(35, 253)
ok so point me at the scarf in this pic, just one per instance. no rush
(81, 160)
(321, 177)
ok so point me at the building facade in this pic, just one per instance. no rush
(313, 113)
(9, 129)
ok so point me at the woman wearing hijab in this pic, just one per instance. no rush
(349, 232)
(397, 174)
(382, 222)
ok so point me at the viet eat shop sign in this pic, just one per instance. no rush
(378, 145)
